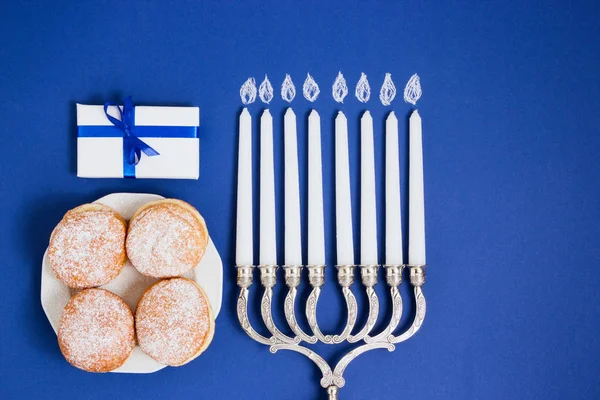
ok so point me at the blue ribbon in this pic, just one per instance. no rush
(133, 146)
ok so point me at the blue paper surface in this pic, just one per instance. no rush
(511, 122)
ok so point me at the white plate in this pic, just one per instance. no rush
(130, 284)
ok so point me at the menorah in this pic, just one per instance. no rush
(365, 340)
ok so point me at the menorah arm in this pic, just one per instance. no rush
(394, 279)
(369, 279)
(338, 379)
(345, 278)
(327, 378)
(394, 320)
(267, 315)
(242, 312)
(421, 308)
(290, 316)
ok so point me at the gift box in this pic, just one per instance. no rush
(137, 141)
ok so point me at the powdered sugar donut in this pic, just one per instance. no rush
(174, 321)
(87, 247)
(166, 238)
(96, 331)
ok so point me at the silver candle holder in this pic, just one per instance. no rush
(332, 378)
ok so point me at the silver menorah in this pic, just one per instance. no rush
(332, 379)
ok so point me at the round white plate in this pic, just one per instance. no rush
(130, 284)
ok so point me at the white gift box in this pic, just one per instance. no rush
(100, 156)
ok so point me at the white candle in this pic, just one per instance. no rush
(268, 245)
(393, 219)
(368, 210)
(416, 199)
(343, 207)
(316, 230)
(292, 241)
(243, 254)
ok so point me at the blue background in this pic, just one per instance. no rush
(511, 138)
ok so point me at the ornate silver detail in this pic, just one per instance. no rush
(417, 275)
(290, 316)
(244, 278)
(242, 312)
(371, 319)
(345, 275)
(293, 275)
(327, 379)
(394, 320)
(393, 275)
(316, 275)
(331, 380)
(267, 315)
(368, 274)
(417, 322)
(352, 312)
(338, 379)
(268, 275)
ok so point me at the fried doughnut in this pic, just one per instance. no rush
(96, 331)
(87, 247)
(174, 321)
(166, 238)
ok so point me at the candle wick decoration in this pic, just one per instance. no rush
(388, 90)
(265, 91)
(339, 90)
(332, 377)
(412, 90)
(288, 90)
(310, 89)
(248, 91)
(363, 89)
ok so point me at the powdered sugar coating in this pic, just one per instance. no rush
(173, 321)
(166, 240)
(87, 247)
(96, 331)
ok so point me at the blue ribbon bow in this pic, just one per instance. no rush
(132, 145)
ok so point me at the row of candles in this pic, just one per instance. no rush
(343, 209)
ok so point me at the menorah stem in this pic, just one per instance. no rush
(333, 391)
